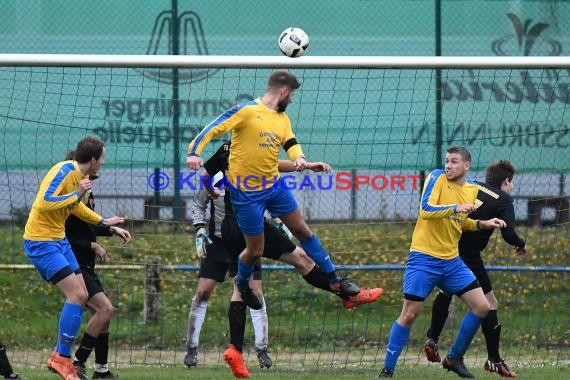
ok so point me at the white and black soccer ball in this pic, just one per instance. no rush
(293, 42)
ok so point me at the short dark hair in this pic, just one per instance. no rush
(70, 155)
(283, 78)
(498, 171)
(88, 148)
(461, 150)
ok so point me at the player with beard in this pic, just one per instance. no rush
(259, 129)
(278, 246)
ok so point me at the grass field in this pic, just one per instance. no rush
(406, 372)
(308, 328)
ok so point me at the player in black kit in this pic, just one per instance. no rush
(495, 202)
(83, 240)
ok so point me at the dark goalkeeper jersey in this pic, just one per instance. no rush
(495, 204)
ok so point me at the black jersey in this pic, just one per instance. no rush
(219, 163)
(81, 234)
(276, 243)
(495, 204)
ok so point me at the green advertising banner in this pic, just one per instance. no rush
(354, 119)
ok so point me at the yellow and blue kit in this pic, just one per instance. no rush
(257, 134)
(439, 226)
(56, 199)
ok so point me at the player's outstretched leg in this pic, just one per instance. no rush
(318, 279)
(352, 296)
(364, 296)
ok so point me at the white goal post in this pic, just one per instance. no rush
(314, 62)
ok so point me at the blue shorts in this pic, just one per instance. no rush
(424, 272)
(49, 257)
(249, 206)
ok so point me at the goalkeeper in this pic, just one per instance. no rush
(216, 260)
(495, 202)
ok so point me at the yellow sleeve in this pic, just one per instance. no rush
(469, 225)
(222, 124)
(429, 209)
(47, 200)
(86, 214)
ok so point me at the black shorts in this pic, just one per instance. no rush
(92, 282)
(478, 268)
(276, 243)
(220, 261)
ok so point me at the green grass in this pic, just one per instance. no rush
(406, 372)
(307, 326)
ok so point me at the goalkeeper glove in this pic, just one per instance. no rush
(202, 240)
(282, 227)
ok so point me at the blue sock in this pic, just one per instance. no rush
(469, 326)
(316, 252)
(69, 322)
(398, 338)
(243, 274)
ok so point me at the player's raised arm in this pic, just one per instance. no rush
(49, 202)
(227, 121)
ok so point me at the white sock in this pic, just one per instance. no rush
(102, 368)
(260, 327)
(195, 321)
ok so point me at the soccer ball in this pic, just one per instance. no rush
(293, 42)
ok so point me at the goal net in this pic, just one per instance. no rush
(382, 124)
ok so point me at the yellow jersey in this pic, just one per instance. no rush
(56, 199)
(257, 134)
(439, 226)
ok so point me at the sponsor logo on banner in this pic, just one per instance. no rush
(192, 42)
(528, 39)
